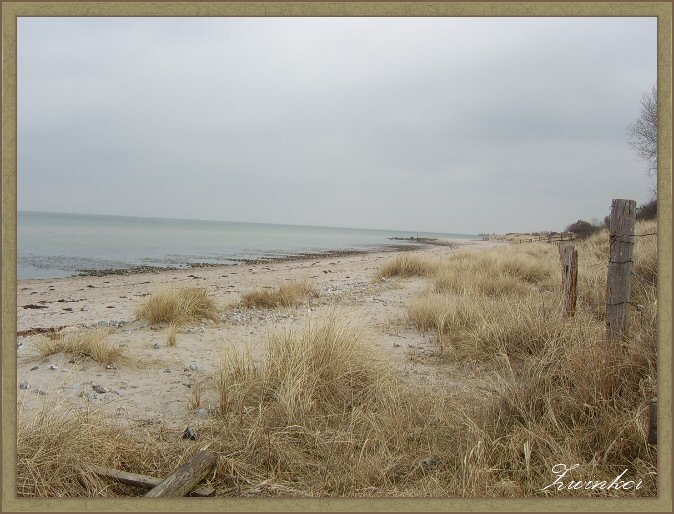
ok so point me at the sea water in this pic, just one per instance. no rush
(52, 245)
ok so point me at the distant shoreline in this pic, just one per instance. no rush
(134, 270)
(55, 246)
(147, 269)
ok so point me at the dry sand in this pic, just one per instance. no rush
(157, 385)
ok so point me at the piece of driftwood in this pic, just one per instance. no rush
(144, 481)
(186, 477)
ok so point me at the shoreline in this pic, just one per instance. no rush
(413, 245)
(134, 270)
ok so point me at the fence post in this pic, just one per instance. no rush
(653, 421)
(561, 248)
(623, 217)
(570, 278)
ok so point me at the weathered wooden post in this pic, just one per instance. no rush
(570, 278)
(144, 481)
(623, 217)
(562, 263)
(653, 421)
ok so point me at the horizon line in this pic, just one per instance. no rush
(244, 222)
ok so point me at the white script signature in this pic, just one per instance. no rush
(561, 470)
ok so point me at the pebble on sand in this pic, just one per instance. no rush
(190, 434)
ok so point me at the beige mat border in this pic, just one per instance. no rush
(12, 10)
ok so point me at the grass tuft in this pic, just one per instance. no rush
(171, 334)
(178, 306)
(324, 368)
(291, 294)
(91, 343)
(406, 265)
(56, 451)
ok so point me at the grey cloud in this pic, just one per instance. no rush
(457, 125)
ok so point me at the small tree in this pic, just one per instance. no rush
(644, 132)
(582, 229)
(648, 211)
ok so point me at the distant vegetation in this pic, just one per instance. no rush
(580, 229)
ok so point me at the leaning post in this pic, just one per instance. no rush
(621, 243)
(186, 477)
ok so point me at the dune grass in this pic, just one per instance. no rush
(407, 265)
(58, 448)
(324, 368)
(561, 394)
(319, 417)
(171, 334)
(291, 294)
(178, 306)
(85, 343)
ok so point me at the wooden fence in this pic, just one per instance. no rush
(620, 263)
(553, 238)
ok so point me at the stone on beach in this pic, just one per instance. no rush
(190, 434)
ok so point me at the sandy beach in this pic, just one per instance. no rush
(157, 383)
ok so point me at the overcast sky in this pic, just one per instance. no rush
(431, 124)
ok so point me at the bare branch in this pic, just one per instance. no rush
(644, 132)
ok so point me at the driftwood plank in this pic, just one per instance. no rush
(186, 477)
(144, 481)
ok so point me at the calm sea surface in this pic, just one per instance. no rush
(52, 245)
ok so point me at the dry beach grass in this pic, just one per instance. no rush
(82, 343)
(317, 412)
(286, 295)
(177, 306)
